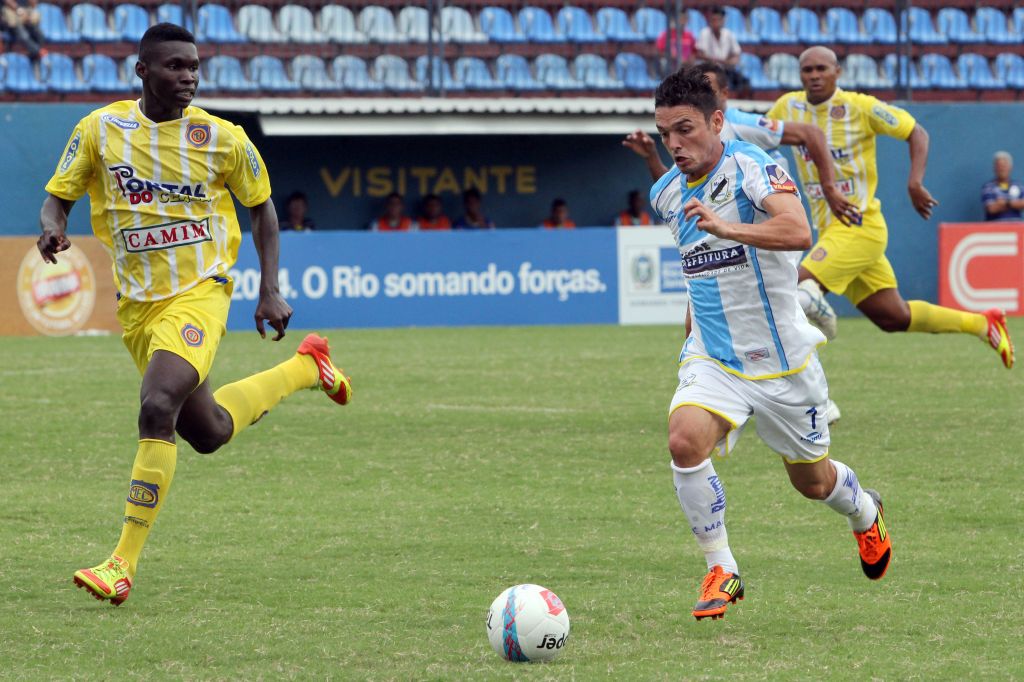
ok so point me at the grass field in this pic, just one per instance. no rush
(368, 542)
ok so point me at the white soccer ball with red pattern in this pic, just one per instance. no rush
(528, 623)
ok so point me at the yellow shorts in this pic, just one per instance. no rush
(190, 325)
(851, 260)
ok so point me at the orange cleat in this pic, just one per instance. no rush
(332, 380)
(998, 336)
(109, 580)
(874, 544)
(718, 590)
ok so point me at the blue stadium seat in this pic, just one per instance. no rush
(58, 72)
(784, 68)
(19, 76)
(269, 74)
(881, 26)
(652, 22)
(352, 74)
(226, 73)
(767, 24)
(615, 25)
(216, 25)
(592, 70)
(631, 69)
(257, 24)
(937, 71)
(393, 74)
(865, 72)
(130, 22)
(54, 25)
(458, 26)
(310, 73)
(133, 81)
(414, 24)
(171, 13)
(1017, 21)
(751, 67)
(378, 23)
(695, 23)
(975, 70)
(553, 71)
(995, 26)
(537, 26)
(734, 21)
(473, 74)
(842, 23)
(339, 25)
(1010, 67)
(91, 23)
(917, 23)
(956, 26)
(513, 72)
(99, 73)
(908, 70)
(806, 25)
(500, 26)
(441, 75)
(575, 24)
(298, 26)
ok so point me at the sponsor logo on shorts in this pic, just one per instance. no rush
(716, 485)
(687, 381)
(884, 114)
(819, 254)
(120, 122)
(838, 112)
(779, 179)
(757, 355)
(769, 123)
(72, 151)
(170, 235)
(143, 494)
(56, 298)
(192, 335)
(254, 161)
(198, 134)
(719, 190)
(812, 437)
(702, 262)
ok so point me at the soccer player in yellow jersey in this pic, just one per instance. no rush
(849, 257)
(157, 172)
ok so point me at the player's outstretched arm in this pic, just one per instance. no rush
(920, 197)
(811, 137)
(786, 230)
(271, 306)
(642, 144)
(53, 220)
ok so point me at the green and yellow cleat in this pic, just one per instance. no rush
(109, 580)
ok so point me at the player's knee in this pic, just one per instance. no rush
(893, 323)
(685, 450)
(158, 410)
(813, 490)
(206, 444)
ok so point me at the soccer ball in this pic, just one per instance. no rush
(528, 623)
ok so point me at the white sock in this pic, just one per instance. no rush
(849, 499)
(702, 498)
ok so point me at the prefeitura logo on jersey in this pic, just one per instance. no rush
(169, 235)
(701, 261)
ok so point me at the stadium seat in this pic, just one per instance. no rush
(379, 25)
(751, 67)
(99, 73)
(128, 66)
(440, 75)
(843, 25)
(575, 24)
(865, 72)
(171, 13)
(310, 73)
(766, 23)
(553, 71)
(513, 72)
(339, 25)
(592, 70)
(58, 72)
(917, 23)
(977, 73)
(19, 76)
(956, 26)
(352, 74)
(846, 80)
(806, 25)
(269, 74)
(881, 26)
(910, 75)
(937, 71)
(298, 26)
(458, 27)
(784, 68)
(216, 25)
(734, 21)
(1017, 21)
(130, 22)
(393, 73)
(473, 74)
(695, 23)
(1010, 67)
(226, 73)
(414, 24)
(651, 23)
(54, 26)
(995, 26)
(500, 26)
(631, 70)
(615, 25)
(90, 22)
(537, 26)
(257, 23)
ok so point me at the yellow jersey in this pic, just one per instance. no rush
(159, 194)
(850, 121)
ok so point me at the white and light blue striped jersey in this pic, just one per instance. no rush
(756, 129)
(743, 300)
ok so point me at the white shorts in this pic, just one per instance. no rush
(790, 410)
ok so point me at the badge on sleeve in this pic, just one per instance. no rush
(779, 179)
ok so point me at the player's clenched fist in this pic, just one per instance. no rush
(52, 242)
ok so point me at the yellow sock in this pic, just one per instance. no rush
(151, 479)
(926, 317)
(249, 399)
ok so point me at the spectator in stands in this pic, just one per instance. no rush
(394, 219)
(473, 217)
(295, 218)
(21, 20)
(559, 217)
(1003, 197)
(718, 44)
(682, 40)
(432, 215)
(635, 215)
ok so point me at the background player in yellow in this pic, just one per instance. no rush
(849, 257)
(157, 172)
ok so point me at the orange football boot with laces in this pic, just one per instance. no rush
(718, 590)
(332, 380)
(874, 544)
(998, 336)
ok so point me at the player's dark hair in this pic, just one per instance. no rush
(558, 203)
(296, 196)
(163, 33)
(633, 193)
(471, 193)
(720, 74)
(393, 195)
(687, 87)
(717, 11)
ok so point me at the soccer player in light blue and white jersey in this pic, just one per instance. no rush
(740, 227)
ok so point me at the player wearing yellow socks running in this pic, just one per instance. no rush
(157, 172)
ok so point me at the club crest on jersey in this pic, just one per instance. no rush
(166, 236)
(197, 134)
(838, 112)
(819, 254)
(143, 494)
(192, 335)
(120, 122)
(718, 190)
(72, 152)
(701, 261)
(779, 179)
(254, 161)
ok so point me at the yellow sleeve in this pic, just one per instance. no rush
(77, 166)
(778, 110)
(885, 119)
(247, 177)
